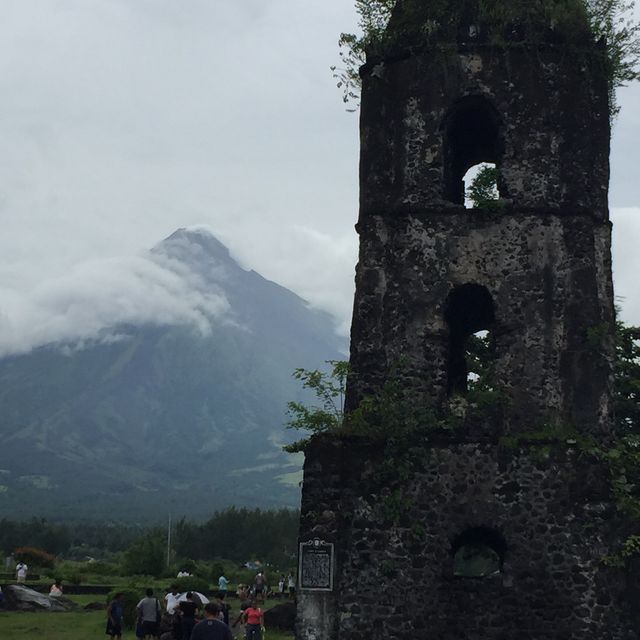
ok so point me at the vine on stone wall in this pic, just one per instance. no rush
(518, 21)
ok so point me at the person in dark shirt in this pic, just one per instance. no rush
(188, 610)
(211, 628)
(223, 606)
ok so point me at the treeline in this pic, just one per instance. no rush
(241, 535)
(74, 541)
(234, 534)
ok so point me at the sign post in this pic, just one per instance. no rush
(315, 571)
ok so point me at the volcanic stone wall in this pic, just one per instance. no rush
(550, 283)
(395, 568)
(534, 270)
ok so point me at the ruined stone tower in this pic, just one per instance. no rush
(494, 522)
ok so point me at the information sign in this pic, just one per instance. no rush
(316, 565)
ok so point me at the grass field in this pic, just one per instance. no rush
(76, 625)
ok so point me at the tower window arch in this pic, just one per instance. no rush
(478, 552)
(471, 138)
(470, 316)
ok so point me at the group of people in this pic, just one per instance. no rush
(185, 617)
(261, 589)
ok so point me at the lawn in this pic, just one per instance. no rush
(76, 625)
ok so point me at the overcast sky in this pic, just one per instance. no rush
(123, 120)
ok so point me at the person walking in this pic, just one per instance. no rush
(211, 628)
(291, 583)
(223, 584)
(188, 611)
(259, 586)
(149, 615)
(21, 572)
(115, 616)
(254, 622)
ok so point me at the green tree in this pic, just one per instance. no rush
(146, 556)
(329, 389)
(483, 190)
(627, 379)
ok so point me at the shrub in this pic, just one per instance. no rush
(131, 599)
(35, 557)
(101, 568)
(192, 583)
(145, 557)
(73, 578)
(217, 570)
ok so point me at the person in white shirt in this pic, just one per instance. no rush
(56, 589)
(171, 600)
(21, 572)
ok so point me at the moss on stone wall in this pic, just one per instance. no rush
(416, 21)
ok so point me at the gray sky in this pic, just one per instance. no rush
(123, 120)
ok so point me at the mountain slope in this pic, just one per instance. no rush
(164, 418)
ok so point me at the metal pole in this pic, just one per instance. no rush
(169, 542)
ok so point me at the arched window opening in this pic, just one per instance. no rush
(472, 137)
(470, 314)
(481, 186)
(478, 553)
(478, 357)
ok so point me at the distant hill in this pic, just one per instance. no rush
(164, 419)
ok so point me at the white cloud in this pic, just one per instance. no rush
(95, 299)
(122, 121)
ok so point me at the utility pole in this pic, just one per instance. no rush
(169, 541)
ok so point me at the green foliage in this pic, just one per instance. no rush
(73, 577)
(609, 21)
(395, 505)
(373, 19)
(418, 532)
(241, 535)
(35, 557)
(217, 570)
(483, 191)
(627, 379)
(613, 22)
(146, 556)
(630, 549)
(550, 433)
(191, 583)
(328, 389)
(36, 532)
(102, 568)
(393, 416)
(476, 561)
(131, 599)
(387, 569)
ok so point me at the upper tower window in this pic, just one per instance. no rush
(472, 137)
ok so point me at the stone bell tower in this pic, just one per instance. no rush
(498, 525)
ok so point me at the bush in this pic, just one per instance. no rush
(101, 568)
(35, 557)
(192, 583)
(73, 577)
(217, 570)
(145, 557)
(131, 599)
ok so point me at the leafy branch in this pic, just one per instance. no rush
(610, 21)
